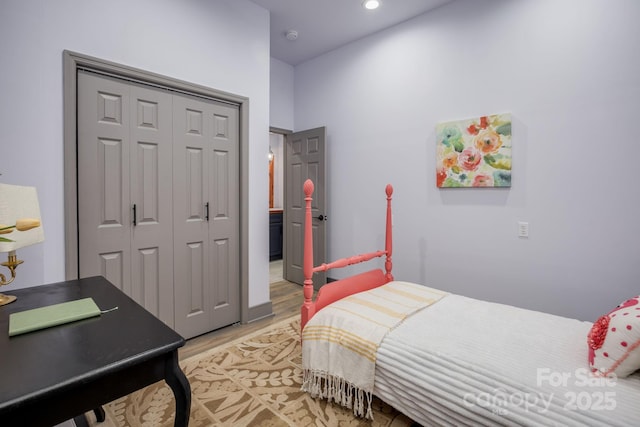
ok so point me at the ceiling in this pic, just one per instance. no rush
(324, 25)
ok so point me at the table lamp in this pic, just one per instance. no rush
(19, 227)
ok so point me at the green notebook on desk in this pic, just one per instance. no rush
(51, 315)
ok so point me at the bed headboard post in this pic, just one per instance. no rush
(388, 237)
(308, 308)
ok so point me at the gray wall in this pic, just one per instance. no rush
(569, 73)
(222, 44)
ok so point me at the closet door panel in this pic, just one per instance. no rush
(191, 245)
(158, 197)
(151, 134)
(225, 207)
(112, 267)
(195, 293)
(146, 265)
(221, 274)
(104, 219)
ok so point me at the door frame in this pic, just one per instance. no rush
(286, 134)
(72, 61)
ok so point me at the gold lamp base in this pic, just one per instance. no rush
(12, 263)
(7, 299)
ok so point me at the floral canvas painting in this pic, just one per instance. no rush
(474, 152)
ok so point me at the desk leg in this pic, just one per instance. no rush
(181, 389)
(100, 415)
(81, 420)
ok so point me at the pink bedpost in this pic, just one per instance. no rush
(308, 308)
(388, 238)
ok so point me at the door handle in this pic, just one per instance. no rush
(323, 217)
(206, 207)
(135, 220)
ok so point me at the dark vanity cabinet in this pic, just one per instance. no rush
(275, 234)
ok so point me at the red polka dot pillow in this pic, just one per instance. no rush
(614, 341)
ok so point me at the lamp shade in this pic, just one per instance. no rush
(18, 202)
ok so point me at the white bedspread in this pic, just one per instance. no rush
(340, 342)
(469, 362)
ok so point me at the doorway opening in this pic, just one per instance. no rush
(303, 157)
(276, 204)
(276, 170)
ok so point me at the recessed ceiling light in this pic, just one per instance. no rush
(370, 4)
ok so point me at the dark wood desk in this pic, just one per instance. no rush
(55, 374)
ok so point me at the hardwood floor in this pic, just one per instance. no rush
(286, 298)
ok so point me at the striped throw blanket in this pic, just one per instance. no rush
(340, 342)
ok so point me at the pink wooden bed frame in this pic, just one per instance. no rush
(340, 288)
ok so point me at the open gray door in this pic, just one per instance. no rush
(304, 159)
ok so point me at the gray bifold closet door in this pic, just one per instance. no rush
(158, 200)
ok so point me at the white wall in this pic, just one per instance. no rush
(222, 44)
(281, 95)
(568, 72)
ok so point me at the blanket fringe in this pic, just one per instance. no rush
(321, 384)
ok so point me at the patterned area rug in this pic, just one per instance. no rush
(254, 381)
